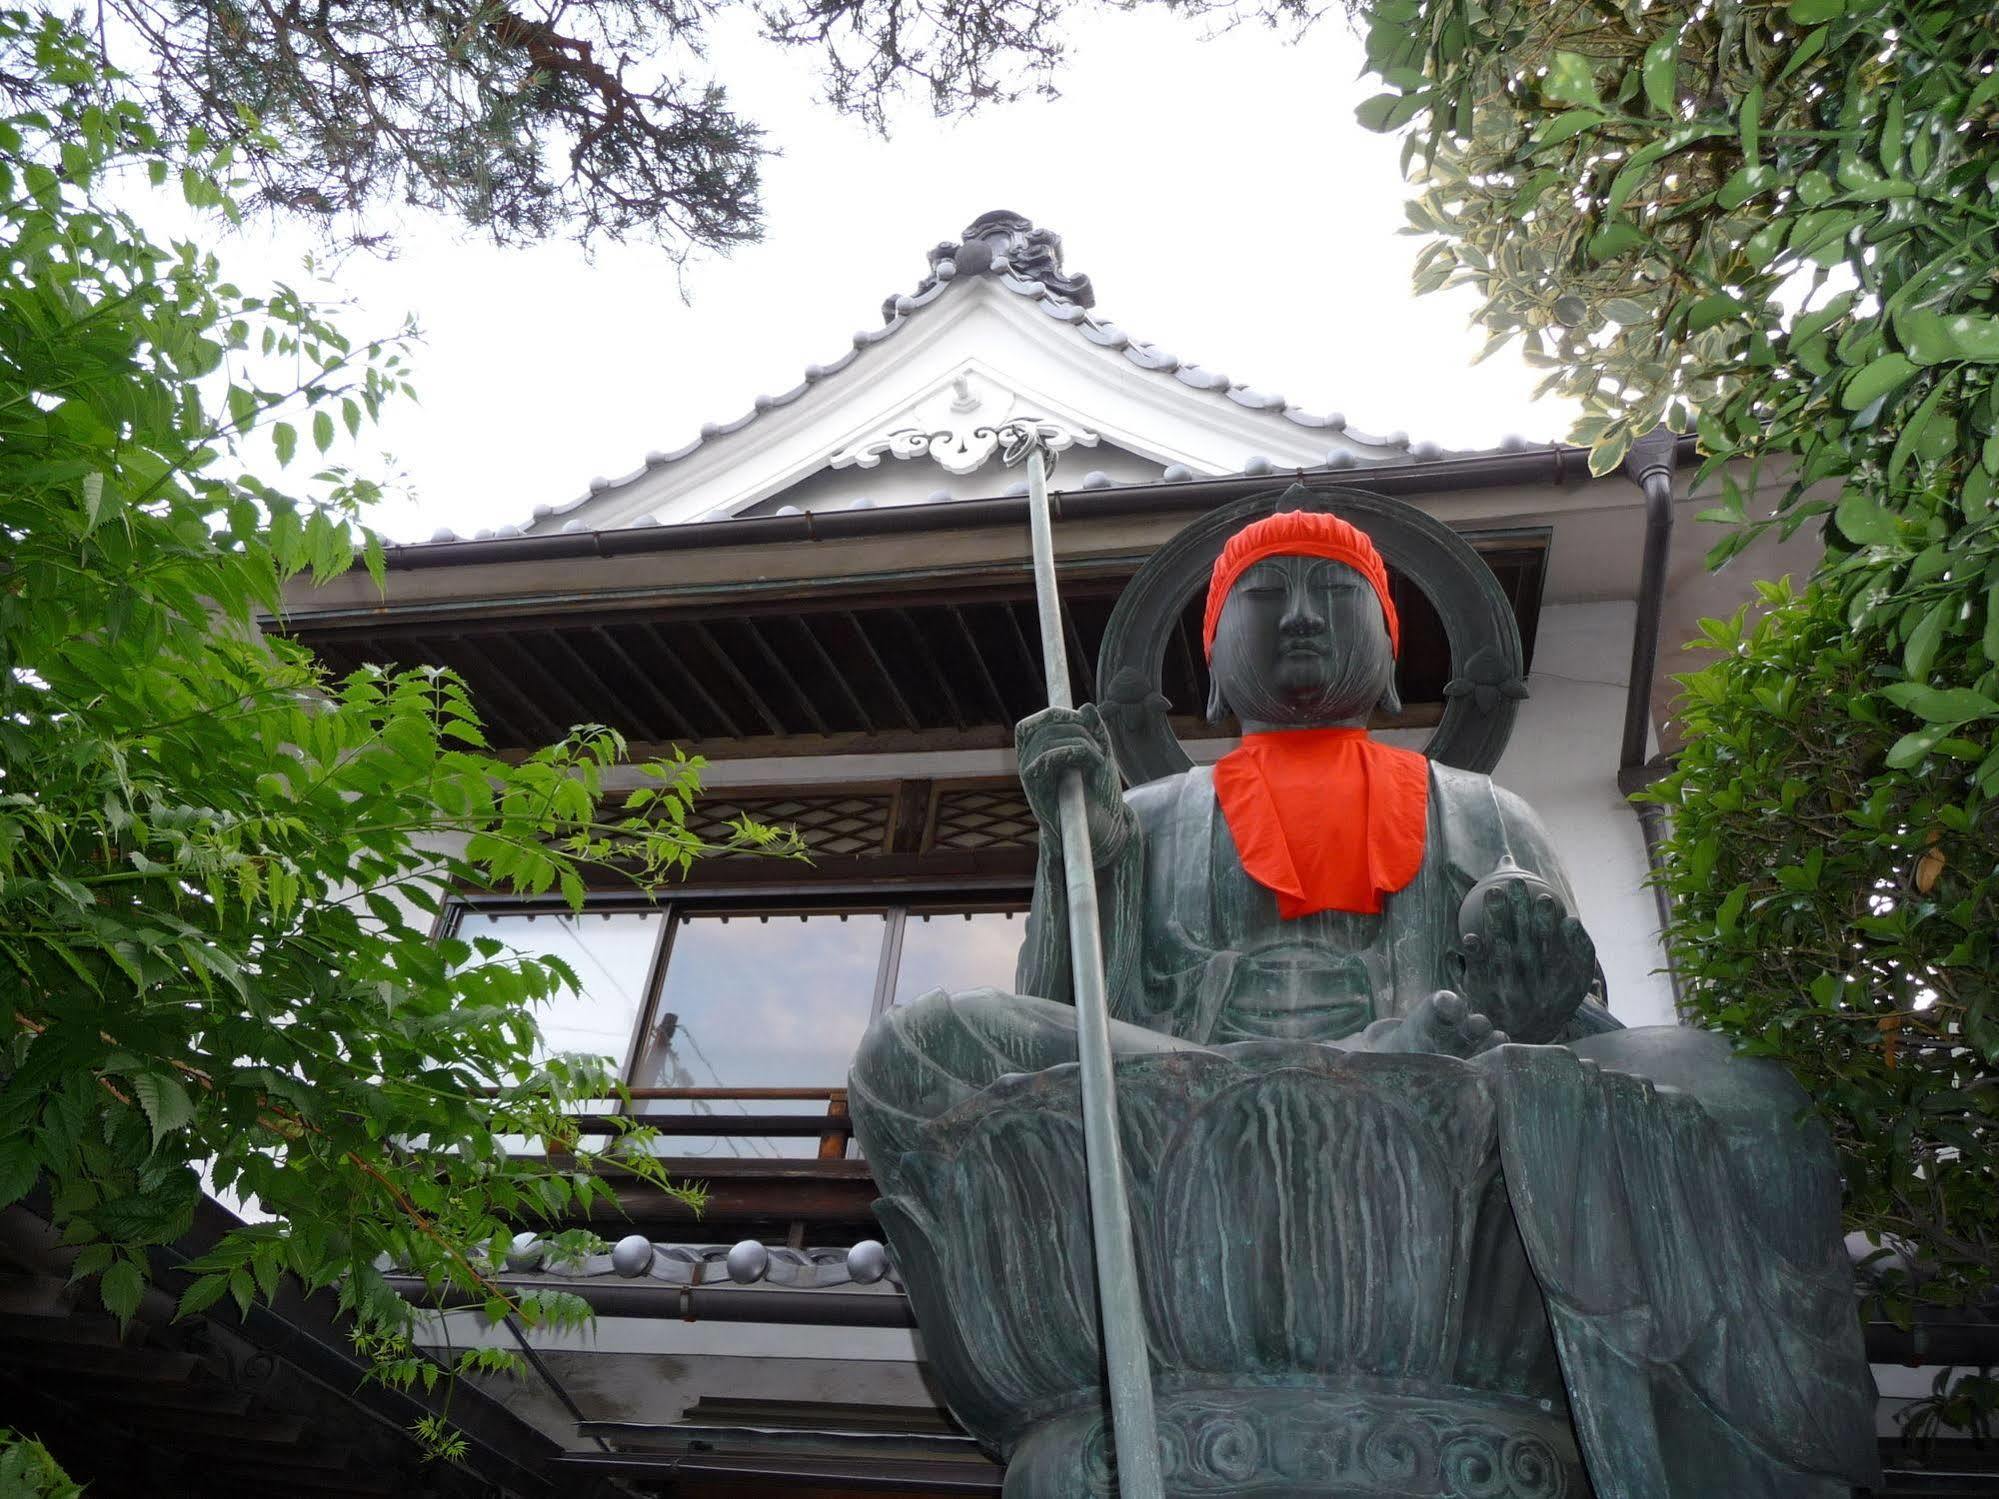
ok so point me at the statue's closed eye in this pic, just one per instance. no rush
(1333, 577)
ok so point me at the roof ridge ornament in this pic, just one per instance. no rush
(1004, 241)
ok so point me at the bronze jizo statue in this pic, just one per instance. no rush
(1414, 1215)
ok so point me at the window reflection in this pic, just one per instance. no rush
(754, 1002)
(611, 953)
(957, 950)
(748, 999)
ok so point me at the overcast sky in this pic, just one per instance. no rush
(1218, 193)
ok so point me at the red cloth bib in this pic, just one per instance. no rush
(1327, 819)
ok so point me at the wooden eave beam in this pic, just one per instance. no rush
(938, 676)
(678, 726)
(993, 693)
(832, 670)
(782, 674)
(490, 680)
(734, 673)
(693, 683)
(895, 696)
(581, 666)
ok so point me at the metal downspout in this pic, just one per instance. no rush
(1651, 464)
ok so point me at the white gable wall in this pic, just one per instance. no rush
(1018, 359)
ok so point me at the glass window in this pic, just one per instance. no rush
(756, 1002)
(957, 950)
(612, 954)
(749, 999)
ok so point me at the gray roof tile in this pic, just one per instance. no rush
(1028, 262)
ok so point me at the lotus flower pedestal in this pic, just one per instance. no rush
(1338, 1302)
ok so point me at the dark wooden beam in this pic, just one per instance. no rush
(557, 692)
(793, 746)
(90, 1329)
(930, 664)
(722, 1126)
(778, 670)
(677, 723)
(786, 877)
(741, 1189)
(321, 1469)
(202, 1397)
(610, 703)
(1189, 662)
(30, 1295)
(693, 682)
(889, 682)
(150, 1365)
(538, 721)
(832, 670)
(911, 818)
(216, 1430)
(985, 676)
(1082, 670)
(734, 673)
(1030, 658)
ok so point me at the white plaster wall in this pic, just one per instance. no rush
(1563, 760)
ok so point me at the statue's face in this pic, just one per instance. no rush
(1301, 642)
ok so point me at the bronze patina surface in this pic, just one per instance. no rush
(1414, 1215)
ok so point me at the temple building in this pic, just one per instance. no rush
(829, 598)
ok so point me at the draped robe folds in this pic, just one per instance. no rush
(1679, 1214)
(1195, 948)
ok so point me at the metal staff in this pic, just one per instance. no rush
(1118, 1305)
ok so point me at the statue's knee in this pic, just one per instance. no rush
(899, 1037)
(930, 1050)
(1701, 1063)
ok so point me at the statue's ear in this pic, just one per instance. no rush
(1391, 701)
(1218, 706)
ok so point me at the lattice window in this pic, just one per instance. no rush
(982, 817)
(841, 823)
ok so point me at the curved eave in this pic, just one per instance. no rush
(1560, 465)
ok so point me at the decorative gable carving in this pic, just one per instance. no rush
(956, 425)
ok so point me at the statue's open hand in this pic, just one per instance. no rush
(1441, 1025)
(1529, 963)
(1057, 740)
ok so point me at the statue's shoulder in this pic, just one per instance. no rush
(1448, 780)
(1468, 791)
(1478, 795)
(1165, 800)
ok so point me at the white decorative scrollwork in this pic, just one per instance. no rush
(959, 450)
(959, 424)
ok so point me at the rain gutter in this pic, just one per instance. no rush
(1557, 465)
(1652, 463)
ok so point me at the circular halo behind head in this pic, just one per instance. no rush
(1478, 622)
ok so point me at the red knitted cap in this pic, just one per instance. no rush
(1298, 533)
